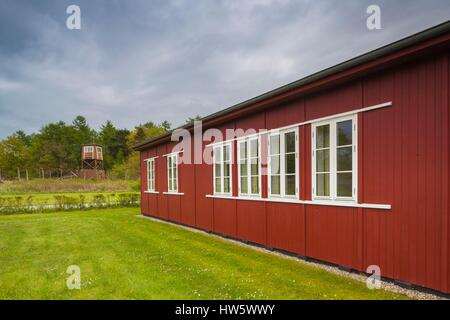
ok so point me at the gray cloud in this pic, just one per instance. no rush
(136, 61)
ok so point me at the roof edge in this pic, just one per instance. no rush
(391, 48)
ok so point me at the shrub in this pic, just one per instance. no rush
(19, 204)
(69, 185)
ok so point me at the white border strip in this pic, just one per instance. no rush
(307, 202)
(147, 160)
(152, 192)
(174, 193)
(169, 154)
(348, 113)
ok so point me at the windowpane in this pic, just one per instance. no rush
(290, 185)
(290, 163)
(323, 184)
(218, 185)
(253, 148)
(170, 173)
(226, 170)
(217, 155)
(242, 150)
(344, 133)
(174, 162)
(243, 167)
(275, 184)
(289, 142)
(275, 164)
(344, 184)
(218, 170)
(323, 137)
(344, 159)
(170, 185)
(226, 153)
(254, 167)
(226, 185)
(255, 185)
(323, 161)
(275, 144)
(244, 185)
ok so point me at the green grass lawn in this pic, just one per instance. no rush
(49, 198)
(123, 256)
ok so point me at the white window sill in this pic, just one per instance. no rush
(250, 197)
(306, 202)
(151, 192)
(174, 193)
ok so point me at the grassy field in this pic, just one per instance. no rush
(69, 185)
(123, 256)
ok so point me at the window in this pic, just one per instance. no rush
(222, 169)
(283, 164)
(248, 169)
(99, 152)
(151, 175)
(172, 173)
(88, 149)
(335, 159)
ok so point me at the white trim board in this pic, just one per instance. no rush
(172, 153)
(308, 202)
(327, 118)
(174, 193)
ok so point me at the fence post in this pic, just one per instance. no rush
(18, 174)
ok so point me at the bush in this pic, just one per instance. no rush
(19, 204)
(69, 185)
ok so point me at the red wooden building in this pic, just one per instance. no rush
(353, 168)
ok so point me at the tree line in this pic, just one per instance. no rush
(55, 150)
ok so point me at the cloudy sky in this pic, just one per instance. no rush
(150, 60)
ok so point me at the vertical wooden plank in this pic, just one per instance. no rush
(424, 148)
(360, 211)
(445, 177)
(412, 194)
(400, 204)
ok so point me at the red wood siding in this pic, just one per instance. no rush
(402, 160)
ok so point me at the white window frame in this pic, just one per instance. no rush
(174, 157)
(222, 178)
(151, 175)
(248, 159)
(282, 194)
(333, 160)
(88, 149)
(99, 151)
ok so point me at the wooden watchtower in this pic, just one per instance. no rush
(92, 162)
